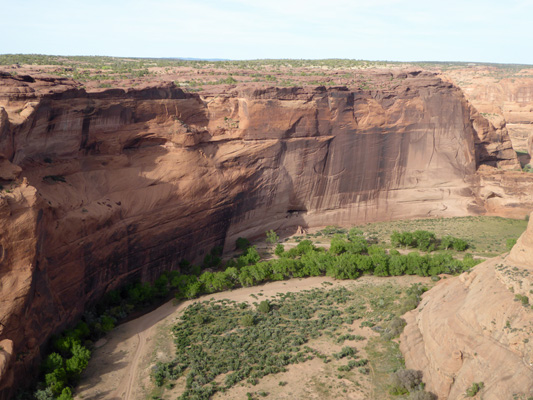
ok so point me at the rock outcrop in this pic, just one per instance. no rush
(500, 93)
(104, 187)
(477, 327)
(522, 252)
(505, 193)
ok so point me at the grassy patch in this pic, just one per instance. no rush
(385, 358)
(487, 236)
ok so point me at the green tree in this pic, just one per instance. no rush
(193, 289)
(460, 245)
(425, 240)
(446, 242)
(272, 237)
(52, 362)
(66, 394)
(242, 243)
(56, 380)
(79, 360)
(338, 245)
(357, 245)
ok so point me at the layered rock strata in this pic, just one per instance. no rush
(104, 187)
(503, 95)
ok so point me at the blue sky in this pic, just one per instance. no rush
(396, 30)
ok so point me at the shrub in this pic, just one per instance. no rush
(212, 259)
(422, 395)
(107, 323)
(264, 306)
(332, 229)
(405, 380)
(394, 328)
(346, 351)
(242, 243)
(469, 262)
(279, 250)
(247, 320)
(474, 389)
(82, 331)
(45, 394)
(354, 234)
(523, 299)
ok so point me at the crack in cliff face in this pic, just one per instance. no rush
(147, 177)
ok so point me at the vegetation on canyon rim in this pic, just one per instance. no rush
(196, 75)
(351, 254)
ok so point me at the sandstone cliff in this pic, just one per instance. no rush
(503, 95)
(474, 328)
(102, 187)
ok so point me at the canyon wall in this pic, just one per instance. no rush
(504, 95)
(476, 328)
(104, 187)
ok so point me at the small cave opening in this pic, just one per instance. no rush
(296, 211)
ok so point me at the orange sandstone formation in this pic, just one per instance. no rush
(475, 328)
(104, 187)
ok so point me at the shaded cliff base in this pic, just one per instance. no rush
(477, 327)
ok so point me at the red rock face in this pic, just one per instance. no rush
(110, 186)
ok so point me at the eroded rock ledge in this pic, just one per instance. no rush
(104, 187)
(471, 328)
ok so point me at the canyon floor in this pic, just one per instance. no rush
(122, 364)
(120, 367)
